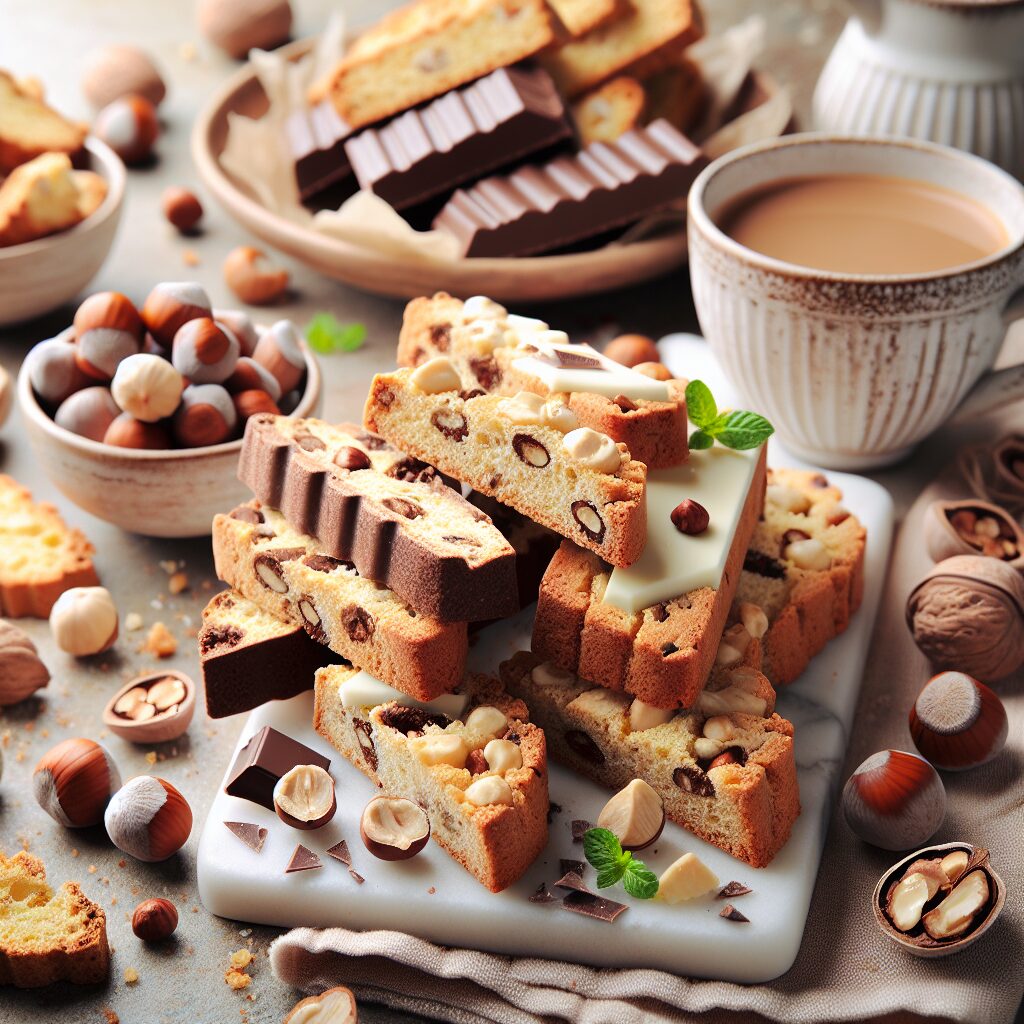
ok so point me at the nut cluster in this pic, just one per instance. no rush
(971, 528)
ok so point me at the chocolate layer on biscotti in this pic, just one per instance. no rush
(391, 516)
(248, 657)
(316, 141)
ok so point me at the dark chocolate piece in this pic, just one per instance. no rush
(267, 756)
(542, 895)
(553, 809)
(572, 881)
(732, 889)
(357, 878)
(571, 198)
(580, 900)
(252, 835)
(579, 829)
(576, 867)
(303, 860)
(497, 120)
(339, 851)
(730, 913)
(316, 141)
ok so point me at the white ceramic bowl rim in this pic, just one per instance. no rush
(700, 218)
(113, 173)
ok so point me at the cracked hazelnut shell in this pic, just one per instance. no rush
(335, 1006)
(973, 527)
(394, 828)
(166, 723)
(22, 671)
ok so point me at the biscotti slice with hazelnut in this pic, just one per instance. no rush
(654, 629)
(29, 127)
(48, 936)
(248, 656)
(37, 199)
(40, 557)
(391, 516)
(288, 575)
(472, 760)
(430, 47)
(504, 354)
(804, 567)
(724, 767)
(529, 454)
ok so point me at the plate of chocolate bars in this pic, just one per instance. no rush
(551, 159)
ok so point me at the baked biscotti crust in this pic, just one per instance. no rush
(288, 576)
(434, 427)
(655, 433)
(503, 840)
(395, 520)
(29, 127)
(580, 16)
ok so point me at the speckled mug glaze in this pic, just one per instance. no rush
(853, 369)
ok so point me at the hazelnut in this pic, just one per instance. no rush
(53, 368)
(252, 403)
(394, 828)
(491, 790)
(352, 459)
(503, 756)
(636, 814)
(238, 27)
(304, 797)
(808, 553)
(657, 371)
(152, 708)
(88, 413)
(686, 879)
(253, 278)
(731, 699)
(894, 800)
(148, 819)
(958, 911)
(754, 620)
(335, 1006)
(631, 349)
(83, 621)
(147, 387)
(907, 899)
(787, 498)
(486, 720)
(248, 375)
(170, 305)
(22, 672)
(436, 376)
(129, 126)
(646, 716)
(690, 517)
(73, 782)
(108, 328)
(595, 450)
(972, 528)
(279, 350)
(967, 615)
(155, 920)
(440, 748)
(204, 352)
(128, 432)
(241, 326)
(116, 70)
(181, 208)
(206, 416)
(954, 865)
(957, 722)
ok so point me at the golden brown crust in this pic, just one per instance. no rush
(29, 128)
(580, 16)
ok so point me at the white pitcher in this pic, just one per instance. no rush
(939, 70)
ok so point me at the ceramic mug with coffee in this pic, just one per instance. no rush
(856, 290)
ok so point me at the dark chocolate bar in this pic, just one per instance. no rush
(267, 756)
(316, 141)
(606, 185)
(501, 118)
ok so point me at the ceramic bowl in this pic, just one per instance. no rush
(38, 276)
(997, 897)
(163, 726)
(173, 493)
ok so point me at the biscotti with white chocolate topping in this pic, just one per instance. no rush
(481, 776)
(526, 452)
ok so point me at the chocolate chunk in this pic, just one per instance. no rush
(303, 860)
(441, 336)
(731, 890)
(553, 809)
(364, 736)
(487, 371)
(315, 138)
(541, 895)
(693, 779)
(267, 756)
(451, 423)
(576, 867)
(530, 450)
(339, 851)
(252, 835)
(351, 458)
(580, 900)
(412, 470)
(384, 396)
(730, 913)
(219, 636)
(588, 520)
(403, 507)
(580, 828)
(356, 877)
(582, 745)
(764, 565)
(358, 623)
(247, 514)
(406, 719)
(324, 563)
(659, 613)
(471, 393)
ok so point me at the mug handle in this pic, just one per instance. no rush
(997, 387)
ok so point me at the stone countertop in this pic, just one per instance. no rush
(184, 980)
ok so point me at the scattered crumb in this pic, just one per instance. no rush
(91, 869)
(159, 641)
(431, 891)
(237, 979)
(187, 52)
(190, 258)
(133, 622)
(74, 851)
(241, 958)
(177, 583)
(112, 1018)
(122, 863)
(169, 566)
(151, 758)
(131, 976)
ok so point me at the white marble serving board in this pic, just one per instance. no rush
(432, 897)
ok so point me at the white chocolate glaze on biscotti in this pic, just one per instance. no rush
(365, 691)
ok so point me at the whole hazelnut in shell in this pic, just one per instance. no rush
(53, 369)
(632, 349)
(967, 614)
(83, 621)
(73, 782)
(88, 413)
(129, 126)
(108, 328)
(128, 432)
(119, 70)
(155, 920)
(148, 819)
(238, 27)
(22, 672)
(147, 387)
(206, 416)
(171, 304)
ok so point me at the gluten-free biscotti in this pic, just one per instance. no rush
(526, 452)
(504, 354)
(391, 516)
(472, 760)
(285, 572)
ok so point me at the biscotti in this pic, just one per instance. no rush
(499, 354)
(429, 47)
(37, 199)
(653, 631)
(479, 768)
(391, 516)
(725, 768)
(287, 574)
(29, 127)
(604, 113)
(48, 936)
(531, 455)
(247, 656)
(40, 557)
(580, 16)
(805, 568)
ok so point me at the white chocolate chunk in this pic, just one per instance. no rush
(788, 498)
(646, 716)
(436, 376)
(599, 702)
(480, 307)
(730, 699)
(486, 721)
(594, 449)
(808, 554)
(686, 879)
(719, 727)
(440, 748)
(503, 756)
(364, 691)
(491, 789)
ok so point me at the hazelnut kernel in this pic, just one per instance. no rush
(181, 208)
(253, 278)
(636, 814)
(503, 756)
(147, 387)
(84, 621)
(690, 517)
(719, 727)
(631, 349)
(394, 828)
(491, 789)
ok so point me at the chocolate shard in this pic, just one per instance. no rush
(576, 867)
(607, 185)
(730, 913)
(252, 835)
(580, 828)
(553, 809)
(732, 889)
(358, 878)
(303, 860)
(315, 137)
(267, 756)
(589, 905)
(541, 895)
(339, 851)
(572, 881)
(497, 120)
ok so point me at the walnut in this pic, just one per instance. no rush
(21, 671)
(967, 614)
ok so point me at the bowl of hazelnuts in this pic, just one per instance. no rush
(136, 413)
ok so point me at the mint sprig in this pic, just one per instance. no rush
(736, 429)
(603, 850)
(327, 334)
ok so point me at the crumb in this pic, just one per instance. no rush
(169, 566)
(241, 958)
(195, 910)
(91, 869)
(113, 901)
(431, 891)
(159, 641)
(187, 52)
(132, 622)
(177, 583)
(112, 1018)
(131, 976)
(151, 758)
(190, 258)
(74, 851)
(122, 863)
(237, 979)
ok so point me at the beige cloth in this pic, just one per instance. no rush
(846, 970)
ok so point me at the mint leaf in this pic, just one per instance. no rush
(639, 880)
(610, 875)
(326, 334)
(700, 403)
(602, 848)
(743, 430)
(699, 440)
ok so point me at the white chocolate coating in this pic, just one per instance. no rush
(365, 691)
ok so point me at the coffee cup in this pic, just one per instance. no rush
(854, 369)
